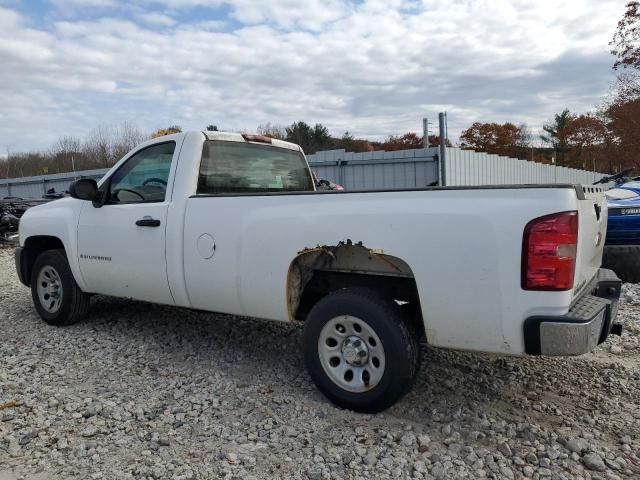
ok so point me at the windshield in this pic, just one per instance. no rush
(235, 167)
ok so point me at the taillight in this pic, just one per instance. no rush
(549, 252)
(256, 138)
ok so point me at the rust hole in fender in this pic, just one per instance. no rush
(341, 260)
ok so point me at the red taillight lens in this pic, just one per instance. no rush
(256, 138)
(549, 252)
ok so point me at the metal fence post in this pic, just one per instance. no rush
(341, 163)
(442, 153)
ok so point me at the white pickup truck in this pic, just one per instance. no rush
(232, 223)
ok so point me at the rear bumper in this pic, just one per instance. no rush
(587, 323)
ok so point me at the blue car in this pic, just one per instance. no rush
(624, 217)
(622, 243)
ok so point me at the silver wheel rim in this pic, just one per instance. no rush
(351, 353)
(49, 289)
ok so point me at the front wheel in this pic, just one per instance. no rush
(360, 350)
(56, 296)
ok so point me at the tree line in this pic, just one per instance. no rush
(317, 138)
(606, 139)
(102, 148)
(106, 144)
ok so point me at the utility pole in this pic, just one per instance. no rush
(8, 162)
(442, 152)
(425, 132)
(446, 129)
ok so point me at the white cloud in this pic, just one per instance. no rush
(307, 14)
(69, 5)
(374, 68)
(157, 19)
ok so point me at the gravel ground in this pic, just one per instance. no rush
(144, 391)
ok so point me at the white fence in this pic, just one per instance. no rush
(466, 167)
(416, 168)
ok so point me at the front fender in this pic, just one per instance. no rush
(58, 219)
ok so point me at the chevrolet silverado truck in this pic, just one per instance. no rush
(232, 223)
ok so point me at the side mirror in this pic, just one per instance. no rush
(84, 189)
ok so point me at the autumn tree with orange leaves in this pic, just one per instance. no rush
(623, 111)
(587, 142)
(409, 141)
(624, 123)
(402, 142)
(161, 132)
(501, 139)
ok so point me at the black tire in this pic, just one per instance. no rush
(396, 333)
(624, 260)
(74, 303)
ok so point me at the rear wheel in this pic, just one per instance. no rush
(624, 260)
(359, 350)
(56, 296)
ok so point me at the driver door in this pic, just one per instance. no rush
(121, 246)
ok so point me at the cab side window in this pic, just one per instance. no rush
(143, 177)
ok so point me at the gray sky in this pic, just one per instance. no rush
(371, 67)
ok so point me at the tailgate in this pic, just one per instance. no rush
(592, 226)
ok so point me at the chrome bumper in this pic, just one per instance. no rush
(573, 338)
(588, 322)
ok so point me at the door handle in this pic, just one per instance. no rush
(148, 222)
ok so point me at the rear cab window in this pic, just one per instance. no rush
(239, 168)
